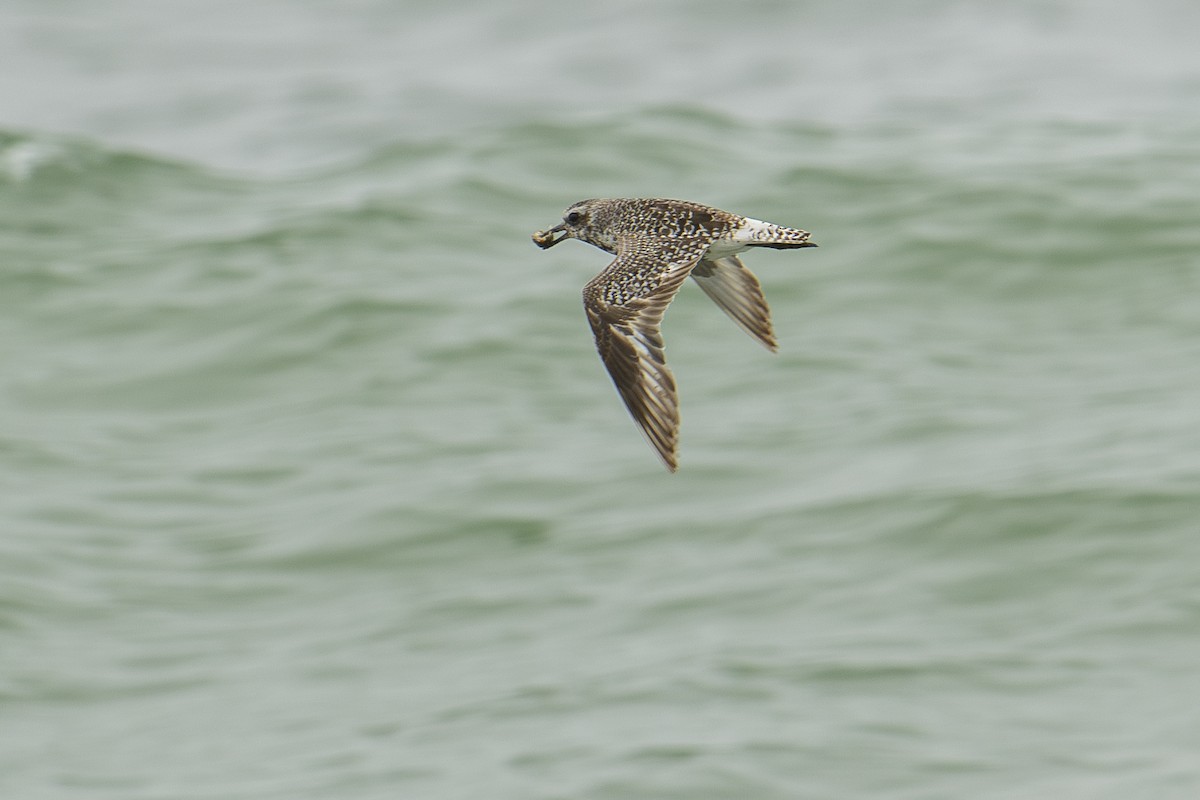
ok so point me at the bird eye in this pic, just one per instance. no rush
(573, 217)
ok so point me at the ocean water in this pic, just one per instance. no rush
(312, 485)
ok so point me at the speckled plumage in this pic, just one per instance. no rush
(658, 244)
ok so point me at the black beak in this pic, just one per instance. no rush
(547, 239)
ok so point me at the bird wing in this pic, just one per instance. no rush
(625, 305)
(735, 289)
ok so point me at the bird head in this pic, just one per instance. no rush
(582, 221)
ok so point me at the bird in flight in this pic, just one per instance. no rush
(658, 244)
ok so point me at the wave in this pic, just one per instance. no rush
(36, 158)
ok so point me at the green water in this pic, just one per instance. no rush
(312, 484)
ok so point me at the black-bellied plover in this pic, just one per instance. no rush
(657, 244)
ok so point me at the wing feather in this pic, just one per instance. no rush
(738, 293)
(626, 318)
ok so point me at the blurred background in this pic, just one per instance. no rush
(312, 484)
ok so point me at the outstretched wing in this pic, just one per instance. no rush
(735, 289)
(625, 305)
